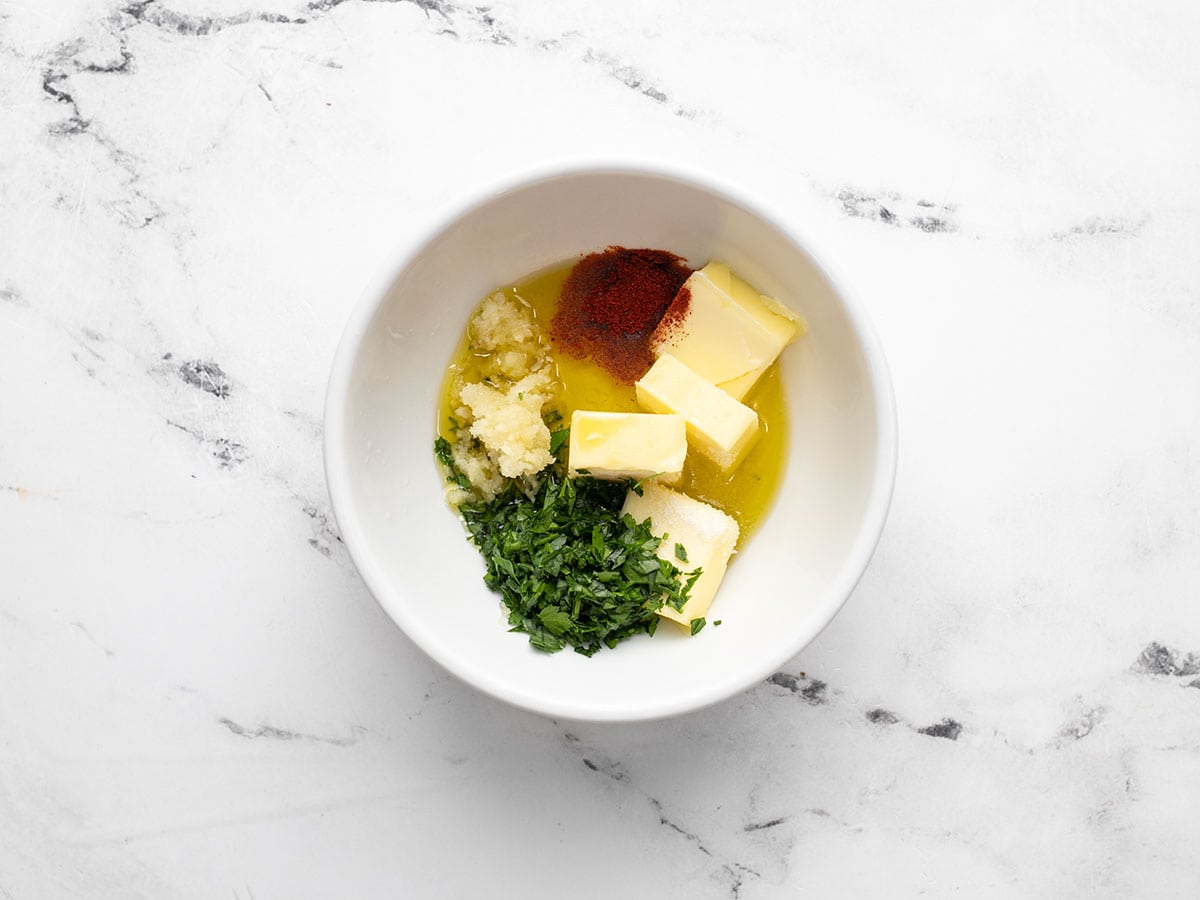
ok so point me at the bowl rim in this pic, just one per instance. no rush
(373, 295)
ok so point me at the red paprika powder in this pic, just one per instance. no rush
(610, 305)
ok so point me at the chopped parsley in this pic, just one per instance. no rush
(570, 568)
(558, 438)
(441, 449)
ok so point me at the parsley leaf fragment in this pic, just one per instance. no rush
(441, 449)
(558, 438)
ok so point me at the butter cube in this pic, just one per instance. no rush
(724, 330)
(717, 425)
(627, 445)
(768, 310)
(706, 534)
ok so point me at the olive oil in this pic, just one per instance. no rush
(746, 493)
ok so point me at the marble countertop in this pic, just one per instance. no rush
(199, 698)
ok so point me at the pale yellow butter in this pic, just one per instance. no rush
(627, 445)
(729, 334)
(717, 425)
(707, 535)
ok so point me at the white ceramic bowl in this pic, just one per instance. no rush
(412, 551)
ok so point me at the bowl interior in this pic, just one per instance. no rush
(412, 550)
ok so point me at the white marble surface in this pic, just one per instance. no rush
(198, 698)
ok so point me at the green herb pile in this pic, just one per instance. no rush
(572, 570)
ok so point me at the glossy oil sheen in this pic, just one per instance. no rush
(745, 494)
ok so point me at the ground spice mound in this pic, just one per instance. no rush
(610, 305)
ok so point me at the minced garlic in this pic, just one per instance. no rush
(499, 406)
